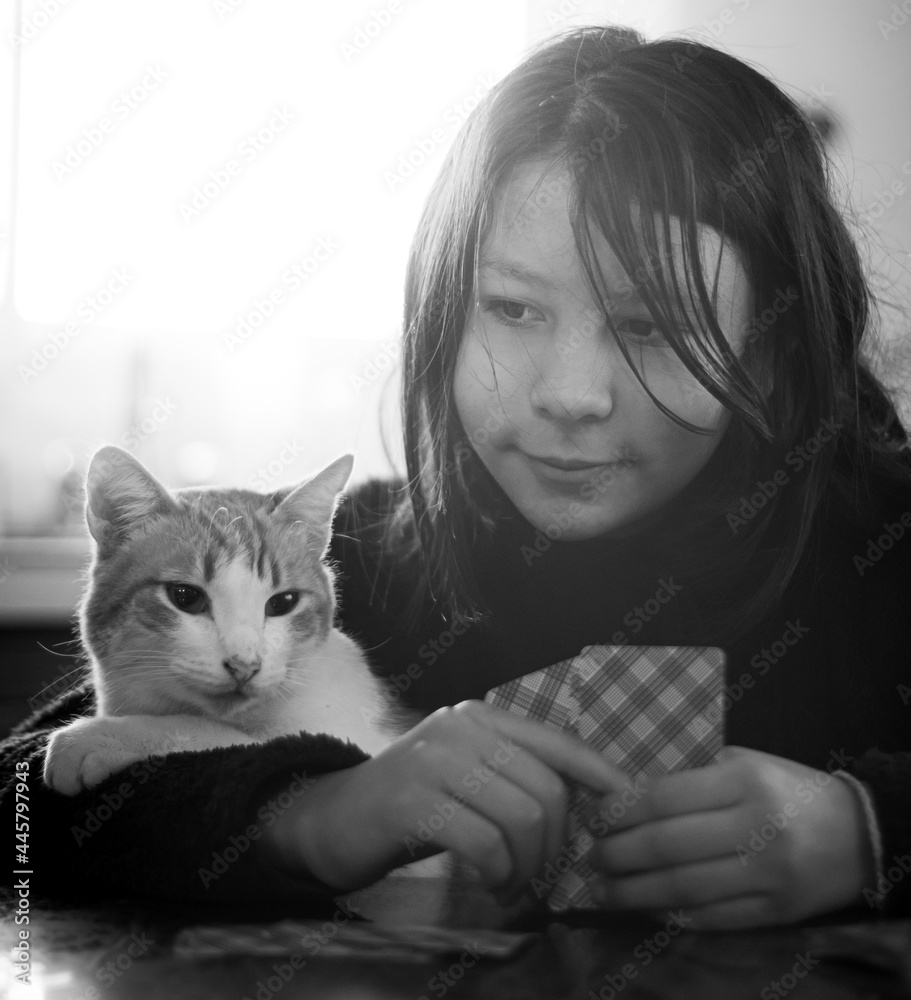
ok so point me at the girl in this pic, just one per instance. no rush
(633, 337)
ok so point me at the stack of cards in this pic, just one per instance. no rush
(358, 939)
(650, 709)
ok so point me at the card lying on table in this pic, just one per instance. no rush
(649, 709)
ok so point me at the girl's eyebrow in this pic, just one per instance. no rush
(505, 268)
(511, 269)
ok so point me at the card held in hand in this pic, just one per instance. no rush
(650, 710)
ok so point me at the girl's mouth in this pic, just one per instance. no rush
(577, 470)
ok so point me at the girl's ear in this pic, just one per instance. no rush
(313, 502)
(120, 493)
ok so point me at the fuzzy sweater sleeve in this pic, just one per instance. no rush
(888, 777)
(185, 826)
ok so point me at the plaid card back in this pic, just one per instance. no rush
(650, 709)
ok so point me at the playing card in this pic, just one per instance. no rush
(650, 709)
(361, 939)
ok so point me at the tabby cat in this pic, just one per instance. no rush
(208, 619)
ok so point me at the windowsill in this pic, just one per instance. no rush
(41, 579)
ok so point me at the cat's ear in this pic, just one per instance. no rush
(120, 493)
(313, 502)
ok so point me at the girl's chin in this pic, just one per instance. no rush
(575, 521)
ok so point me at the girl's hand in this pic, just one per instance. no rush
(473, 779)
(751, 840)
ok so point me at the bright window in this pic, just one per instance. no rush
(213, 206)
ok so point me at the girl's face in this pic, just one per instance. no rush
(543, 391)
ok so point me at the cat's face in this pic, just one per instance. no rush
(206, 599)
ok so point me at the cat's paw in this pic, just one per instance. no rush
(82, 754)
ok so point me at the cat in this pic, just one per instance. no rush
(208, 620)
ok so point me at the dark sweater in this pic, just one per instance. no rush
(824, 680)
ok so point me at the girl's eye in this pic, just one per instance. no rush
(187, 598)
(281, 604)
(641, 329)
(509, 312)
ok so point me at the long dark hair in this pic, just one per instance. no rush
(650, 132)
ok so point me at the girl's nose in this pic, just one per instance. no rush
(575, 381)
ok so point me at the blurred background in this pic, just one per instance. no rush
(205, 213)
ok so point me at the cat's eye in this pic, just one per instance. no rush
(282, 603)
(187, 598)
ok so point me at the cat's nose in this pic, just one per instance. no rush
(242, 670)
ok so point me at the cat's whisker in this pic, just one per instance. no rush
(132, 657)
(68, 642)
(313, 654)
(145, 665)
(126, 654)
(132, 665)
(72, 674)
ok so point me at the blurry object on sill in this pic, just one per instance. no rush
(41, 579)
(70, 519)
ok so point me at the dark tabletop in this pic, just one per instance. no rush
(380, 943)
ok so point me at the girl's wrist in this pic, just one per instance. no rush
(870, 839)
(303, 840)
